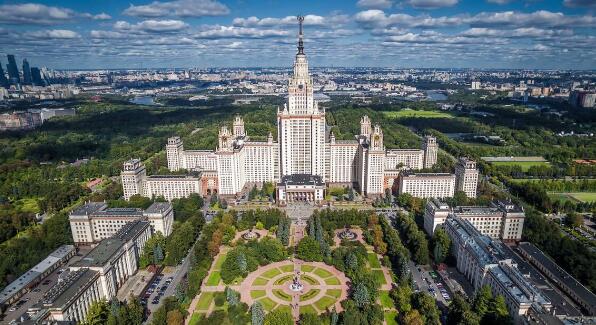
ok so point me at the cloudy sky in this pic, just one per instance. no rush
(545, 34)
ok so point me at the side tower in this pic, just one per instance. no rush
(375, 163)
(174, 153)
(133, 178)
(466, 176)
(430, 148)
(365, 126)
(238, 127)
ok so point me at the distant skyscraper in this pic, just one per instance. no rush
(13, 70)
(26, 73)
(3, 80)
(36, 77)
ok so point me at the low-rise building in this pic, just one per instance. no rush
(300, 188)
(94, 221)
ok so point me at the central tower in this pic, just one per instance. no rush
(301, 124)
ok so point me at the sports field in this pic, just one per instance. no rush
(525, 165)
(573, 196)
(408, 113)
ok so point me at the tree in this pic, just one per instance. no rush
(497, 313)
(413, 317)
(361, 296)
(257, 313)
(402, 298)
(574, 219)
(157, 254)
(351, 261)
(441, 245)
(231, 297)
(460, 312)
(279, 317)
(135, 311)
(482, 300)
(309, 249)
(427, 306)
(98, 313)
(175, 317)
(334, 318)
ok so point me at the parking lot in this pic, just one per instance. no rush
(428, 281)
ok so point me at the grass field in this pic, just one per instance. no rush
(373, 261)
(525, 165)
(214, 278)
(220, 260)
(379, 276)
(260, 282)
(390, 317)
(194, 319)
(332, 281)
(334, 293)
(281, 295)
(283, 279)
(267, 303)
(307, 310)
(287, 268)
(307, 268)
(408, 113)
(255, 294)
(573, 196)
(309, 279)
(322, 273)
(386, 300)
(311, 293)
(271, 273)
(205, 300)
(324, 302)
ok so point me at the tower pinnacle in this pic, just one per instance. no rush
(300, 35)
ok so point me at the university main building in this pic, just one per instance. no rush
(303, 161)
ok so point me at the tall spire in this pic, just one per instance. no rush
(300, 35)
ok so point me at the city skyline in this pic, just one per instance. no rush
(207, 33)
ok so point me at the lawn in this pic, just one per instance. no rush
(311, 293)
(378, 274)
(214, 278)
(324, 302)
(271, 273)
(194, 319)
(287, 268)
(307, 268)
(260, 282)
(322, 273)
(525, 165)
(255, 294)
(390, 317)
(373, 261)
(309, 279)
(205, 300)
(283, 279)
(28, 205)
(386, 300)
(407, 113)
(281, 295)
(334, 293)
(267, 303)
(308, 309)
(284, 307)
(584, 196)
(220, 260)
(332, 281)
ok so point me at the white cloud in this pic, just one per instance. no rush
(33, 13)
(525, 32)
(102, 16)
(51, 34)
(151, 26)
(178, 8)
(377, 18)
(215, 32)
(309, 20)
(431, 4)
(375, 4)
(105, 34)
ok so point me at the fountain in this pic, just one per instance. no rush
(250, 235)
(296, 285)
(347, 234)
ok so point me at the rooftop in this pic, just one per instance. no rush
(89, 208)
(302, 179)
(63, 292)
(108, 248)
(411, 174)
(561, 275)
(25, 279)
(158, 207)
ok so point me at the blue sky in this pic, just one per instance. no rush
(544, 34)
